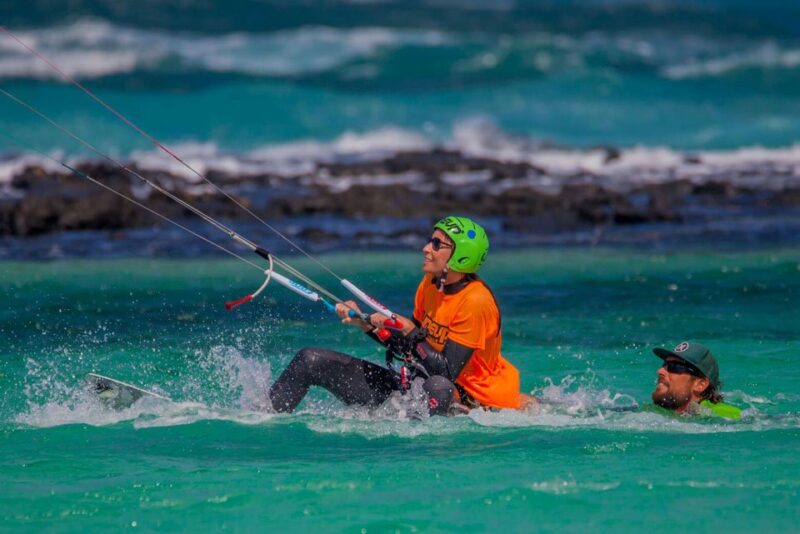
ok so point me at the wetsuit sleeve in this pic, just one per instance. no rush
(447, 363)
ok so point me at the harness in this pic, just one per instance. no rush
(402, 348)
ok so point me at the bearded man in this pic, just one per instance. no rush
(688, 382)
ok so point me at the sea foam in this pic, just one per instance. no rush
(93, 48)
(757, 166)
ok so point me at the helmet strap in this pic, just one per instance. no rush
(442, 277)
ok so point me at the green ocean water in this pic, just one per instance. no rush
(578, 323)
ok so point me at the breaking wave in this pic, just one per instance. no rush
(754, 165)
(93, 48)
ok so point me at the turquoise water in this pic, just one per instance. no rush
(578, 323)
(248, 75)
(254, 86)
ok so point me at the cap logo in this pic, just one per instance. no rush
(682, 347)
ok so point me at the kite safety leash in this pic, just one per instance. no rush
(238, 302)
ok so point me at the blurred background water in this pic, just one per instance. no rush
(247, 75)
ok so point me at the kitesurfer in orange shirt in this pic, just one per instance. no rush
(452, 341)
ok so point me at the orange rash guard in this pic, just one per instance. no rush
(470, 318)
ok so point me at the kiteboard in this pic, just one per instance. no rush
(116, 394)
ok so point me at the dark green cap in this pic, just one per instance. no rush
(695, 354)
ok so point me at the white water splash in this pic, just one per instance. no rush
(566, 406)
(229, 380)
(231, 388)
(228, 386)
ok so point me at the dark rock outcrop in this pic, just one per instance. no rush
(413, 184)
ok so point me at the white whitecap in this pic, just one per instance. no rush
(763, 56)
(92, 48)
(552, 166)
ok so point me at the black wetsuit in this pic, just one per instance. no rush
(356, 381)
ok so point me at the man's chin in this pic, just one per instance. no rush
(668, 401)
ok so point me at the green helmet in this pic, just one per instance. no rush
(470, 240)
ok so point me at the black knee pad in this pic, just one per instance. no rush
(441, 393)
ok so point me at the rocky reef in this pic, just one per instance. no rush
(523, 198)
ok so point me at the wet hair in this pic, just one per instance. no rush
(712, 394)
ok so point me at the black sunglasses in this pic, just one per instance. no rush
(437, 243)
(681, 369)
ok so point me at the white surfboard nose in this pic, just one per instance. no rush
(116, 394)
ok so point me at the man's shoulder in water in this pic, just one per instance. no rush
(703, 408)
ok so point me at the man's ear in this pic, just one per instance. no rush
(700, 385)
